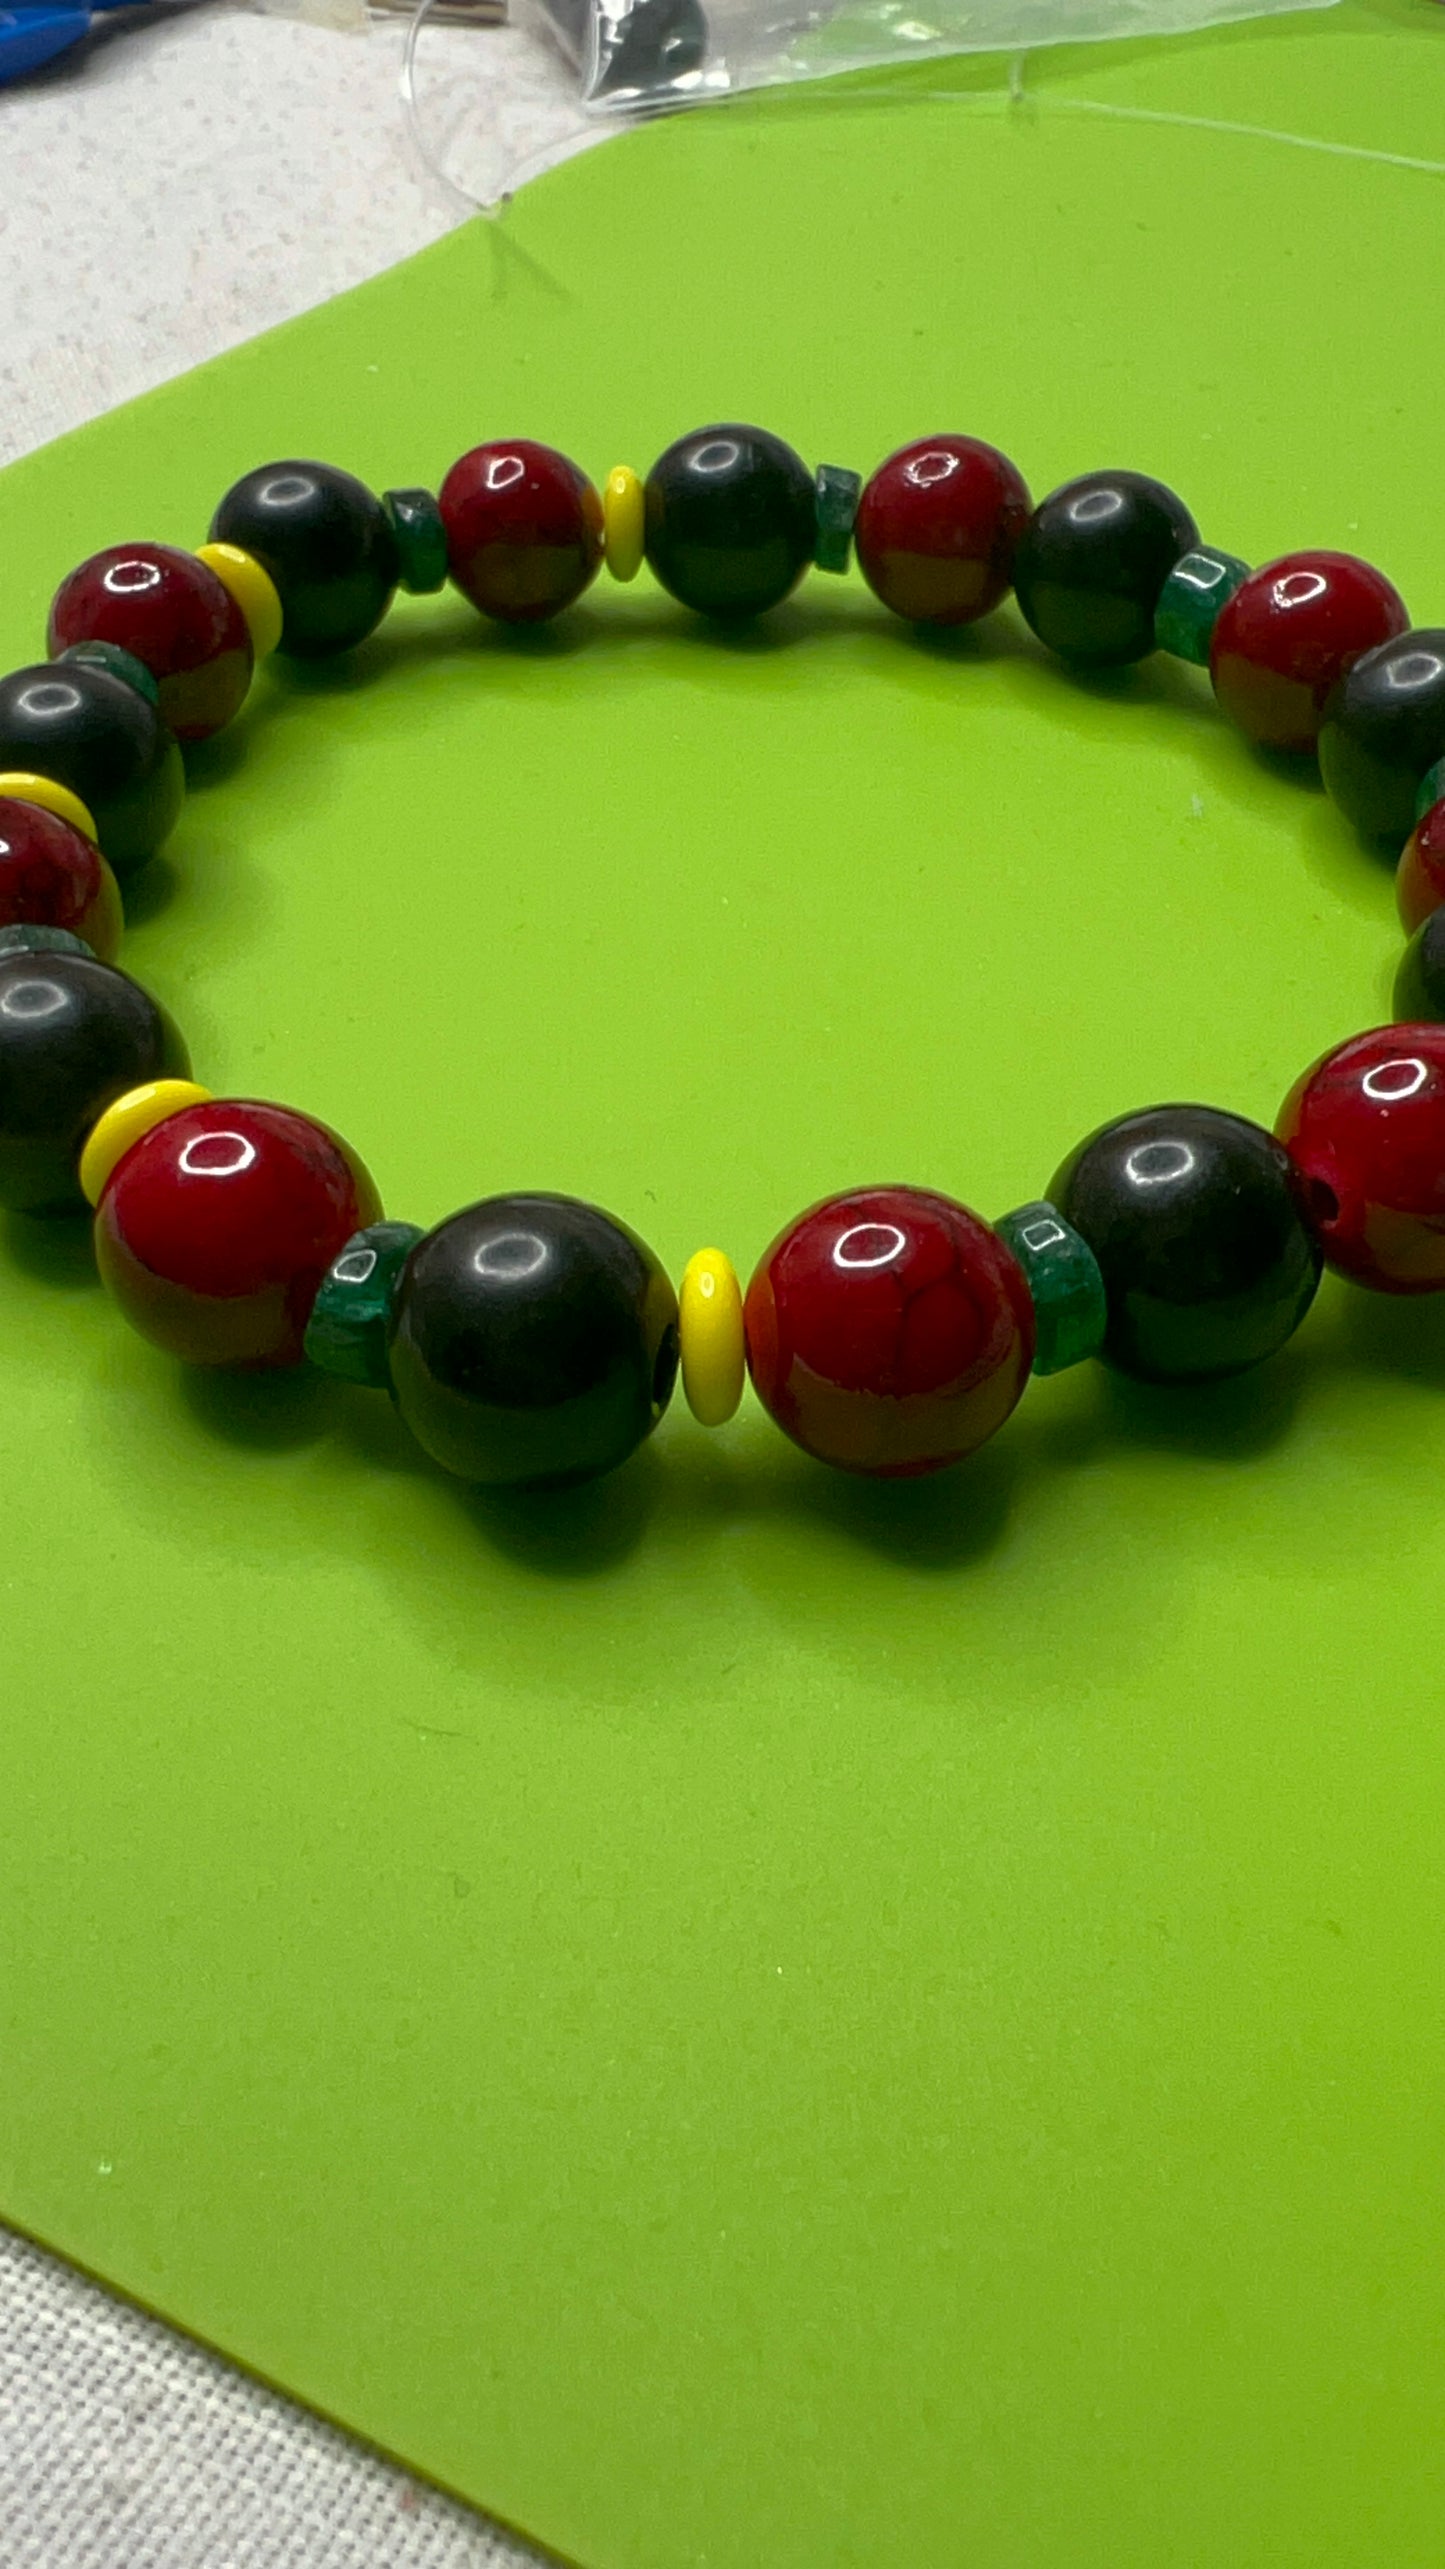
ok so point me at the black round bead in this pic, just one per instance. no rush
(1420, 981)
(1093, 559)
(85, 728)
(730, 520)
(75, 1034)
(328, 545)
(648, 46)
(1195, 1218)
(1383, 728)
(533, 1341)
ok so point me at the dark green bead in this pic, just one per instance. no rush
(351, 1316)
(1061, 1271)
(1419, 998)
(836, 493)
(421, 540)
(29, 939)
(1432, 790)
(121, 664)
(1190, 601)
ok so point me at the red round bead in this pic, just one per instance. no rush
(1366, 1130)
(938, 527)
(889, 1331)
(215, 1229)
(524, 530)
(1289, 631)
(171, 613)
(52, 876)
(1420, 875)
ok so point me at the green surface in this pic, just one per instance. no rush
(742, 2018)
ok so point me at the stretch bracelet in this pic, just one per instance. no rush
(534, 1339)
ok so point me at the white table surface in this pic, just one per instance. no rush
(197, 173)
(193, 176)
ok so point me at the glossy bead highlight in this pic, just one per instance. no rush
(1197, 1221)
(1365, 1128)
(889, 1331)
(52, 876)
(95, 735)
(1287, 636)
(215, 1230)
(730, 520)
(533, 1342)
(1383, 728)
(74, 1035)
(325, 542)
(1092, 562)
(523, 529)
(939, 525)
(172, 614)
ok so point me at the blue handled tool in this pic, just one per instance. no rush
(37, 30)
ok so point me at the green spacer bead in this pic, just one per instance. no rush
(1432, 790)
(26, 938)
(836, 493)
(1189, 602)
(121, 664)
(421, 540)
(347, 1331)
(1061, 1271)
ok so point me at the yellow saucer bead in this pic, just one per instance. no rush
(47, 796)
(710, 1334)
(253, 589)
(126, 1121)
(623, 516)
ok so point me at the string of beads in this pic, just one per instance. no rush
(534, 1339)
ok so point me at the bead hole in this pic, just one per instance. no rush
(1324, 1204)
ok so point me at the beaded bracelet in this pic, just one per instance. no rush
(533, 1339)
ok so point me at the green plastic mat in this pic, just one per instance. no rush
(740, 2017)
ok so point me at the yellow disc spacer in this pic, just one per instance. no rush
(47, 796)
(127, 1121)
(253, 589)
(710, 1334)
(623, 522)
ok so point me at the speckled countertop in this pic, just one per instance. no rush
(197, 173)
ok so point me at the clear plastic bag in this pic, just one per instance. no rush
(635, 54)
